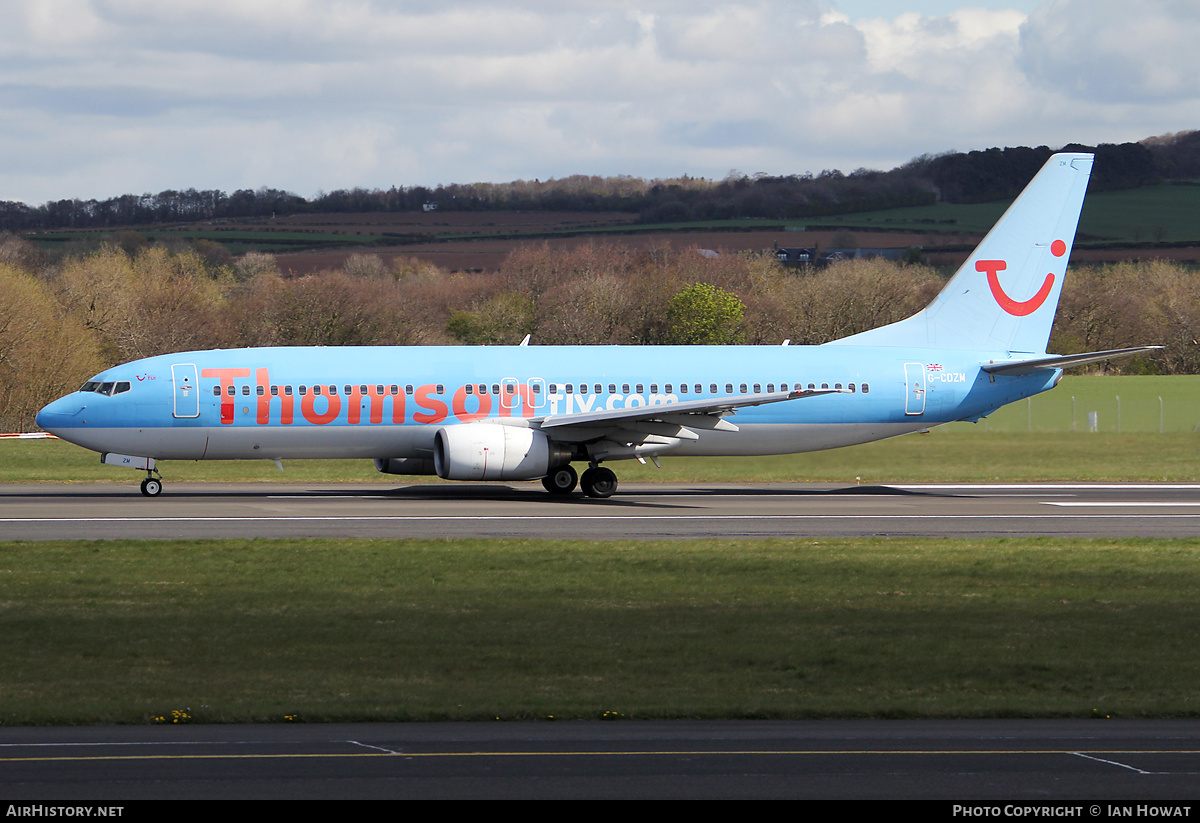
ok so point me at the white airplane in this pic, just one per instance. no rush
(528, 412)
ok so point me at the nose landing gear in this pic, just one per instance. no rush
(152, 486)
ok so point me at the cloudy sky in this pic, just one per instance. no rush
(105, 97)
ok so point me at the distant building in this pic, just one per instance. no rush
(796, 256)
(429, 207)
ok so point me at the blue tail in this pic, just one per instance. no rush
(1003, 299)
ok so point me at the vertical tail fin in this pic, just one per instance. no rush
(1004, 297)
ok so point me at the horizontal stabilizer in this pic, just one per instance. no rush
(1064, 361)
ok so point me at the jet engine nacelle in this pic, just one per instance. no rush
(484, 451)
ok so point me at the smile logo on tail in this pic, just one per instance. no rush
(1018, 308)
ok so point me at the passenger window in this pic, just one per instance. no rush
(509, 388)
(570, 388)
(654, 388)
(216, 391)
(729, 388)
(596, 389)
(640, 388)
(583, 388)
(682, 388)
(624, 388)
(496, 389)
(316, 390)
(667, 389)
(851, 387)
(260, 391)
(287, 390)
(866, 389)
(837, 386)
(440, 388)
(274, 391)
(394, 390)
(757, 388)
(742, 388)
(770, 387)
(553, 388)
(408, 389)
(824, 385)
(612, 388)
(230, 391)
(469, 389)
(699, 389)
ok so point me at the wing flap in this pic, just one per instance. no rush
(679, 413)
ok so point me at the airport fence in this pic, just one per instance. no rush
(1125, 404)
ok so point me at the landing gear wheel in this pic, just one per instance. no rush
(561, 481)
(598, 482)
(151, 487)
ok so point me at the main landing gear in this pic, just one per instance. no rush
(561, 481)
(597, 481)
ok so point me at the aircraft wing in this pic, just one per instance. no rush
(1017, 367)
(707, 413)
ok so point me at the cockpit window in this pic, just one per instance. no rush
(108, 389)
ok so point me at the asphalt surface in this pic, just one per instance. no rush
(45, 512)
(1100, 767)
(1084, 763)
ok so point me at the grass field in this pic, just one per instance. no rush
(1044, 439)
(1150, 214)
(272, 630)
(1146, 215)
(130, 632)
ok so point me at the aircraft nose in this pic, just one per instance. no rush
(61, 414)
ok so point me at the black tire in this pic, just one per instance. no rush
(561, 481)
(599, 482)
(151, 487)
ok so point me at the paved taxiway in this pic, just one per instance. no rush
(45, 512)
(1084, 761)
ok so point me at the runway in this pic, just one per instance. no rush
(1085, 765)
(999, 761)
(54, 512)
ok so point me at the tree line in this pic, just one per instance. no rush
(956, 177)
(65, 319)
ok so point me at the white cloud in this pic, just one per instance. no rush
(1105, 51)
(101, 97)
